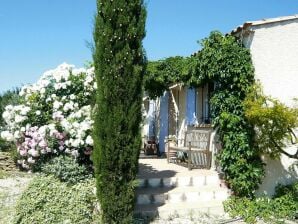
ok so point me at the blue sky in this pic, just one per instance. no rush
(37, 35)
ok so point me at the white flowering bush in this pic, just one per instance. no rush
(54, 116)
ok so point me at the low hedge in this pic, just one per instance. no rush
(283, 206)
(66, 169)
(48, 200)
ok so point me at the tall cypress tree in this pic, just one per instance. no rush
(119, 67)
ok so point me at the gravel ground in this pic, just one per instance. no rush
(198, 218)
(11, 188)
(207, 219)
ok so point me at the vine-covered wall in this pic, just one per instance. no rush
(225, 62)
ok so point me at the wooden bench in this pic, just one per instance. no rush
(195, 150)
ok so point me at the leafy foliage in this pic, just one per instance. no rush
(275, 123)
(4, 145)
(119, 67)
(66, 169)
(226, 62)
(160, 75)
(47, 200)
(284, 205)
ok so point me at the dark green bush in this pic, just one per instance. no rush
(225, 61)
(284, 205)
(119, 62)
(4, 145)
(282, 190)
(48, 200)
(66, 169)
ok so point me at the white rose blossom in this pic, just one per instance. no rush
(55, 117)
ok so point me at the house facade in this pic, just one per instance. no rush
(178, 110)
(175, 111)
(273, 44)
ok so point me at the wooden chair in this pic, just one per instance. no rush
(195, 148)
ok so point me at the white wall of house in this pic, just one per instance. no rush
(274, 50)
(182, 113)
(146, 118)
(177, 111)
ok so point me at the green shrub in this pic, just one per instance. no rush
(4, 145)
(282, 190)
(47, 200)
(226, 62)
(120, 63)
(284, 205)
(66, 169)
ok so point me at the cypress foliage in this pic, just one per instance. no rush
(119, 67)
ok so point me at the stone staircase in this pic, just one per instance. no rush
(199, 191)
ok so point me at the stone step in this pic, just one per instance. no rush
(167, 210)
(180, 194)
(182, 181)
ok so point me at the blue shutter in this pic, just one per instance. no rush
(151, 118)
(164, 120)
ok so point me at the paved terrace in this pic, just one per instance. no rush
(160, 168)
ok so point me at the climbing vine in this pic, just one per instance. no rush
(225, 62)
(164, 73)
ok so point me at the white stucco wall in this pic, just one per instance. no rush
(274, 50)
(177, 112)
(145, 123)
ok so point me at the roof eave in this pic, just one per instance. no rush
(248, 24)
